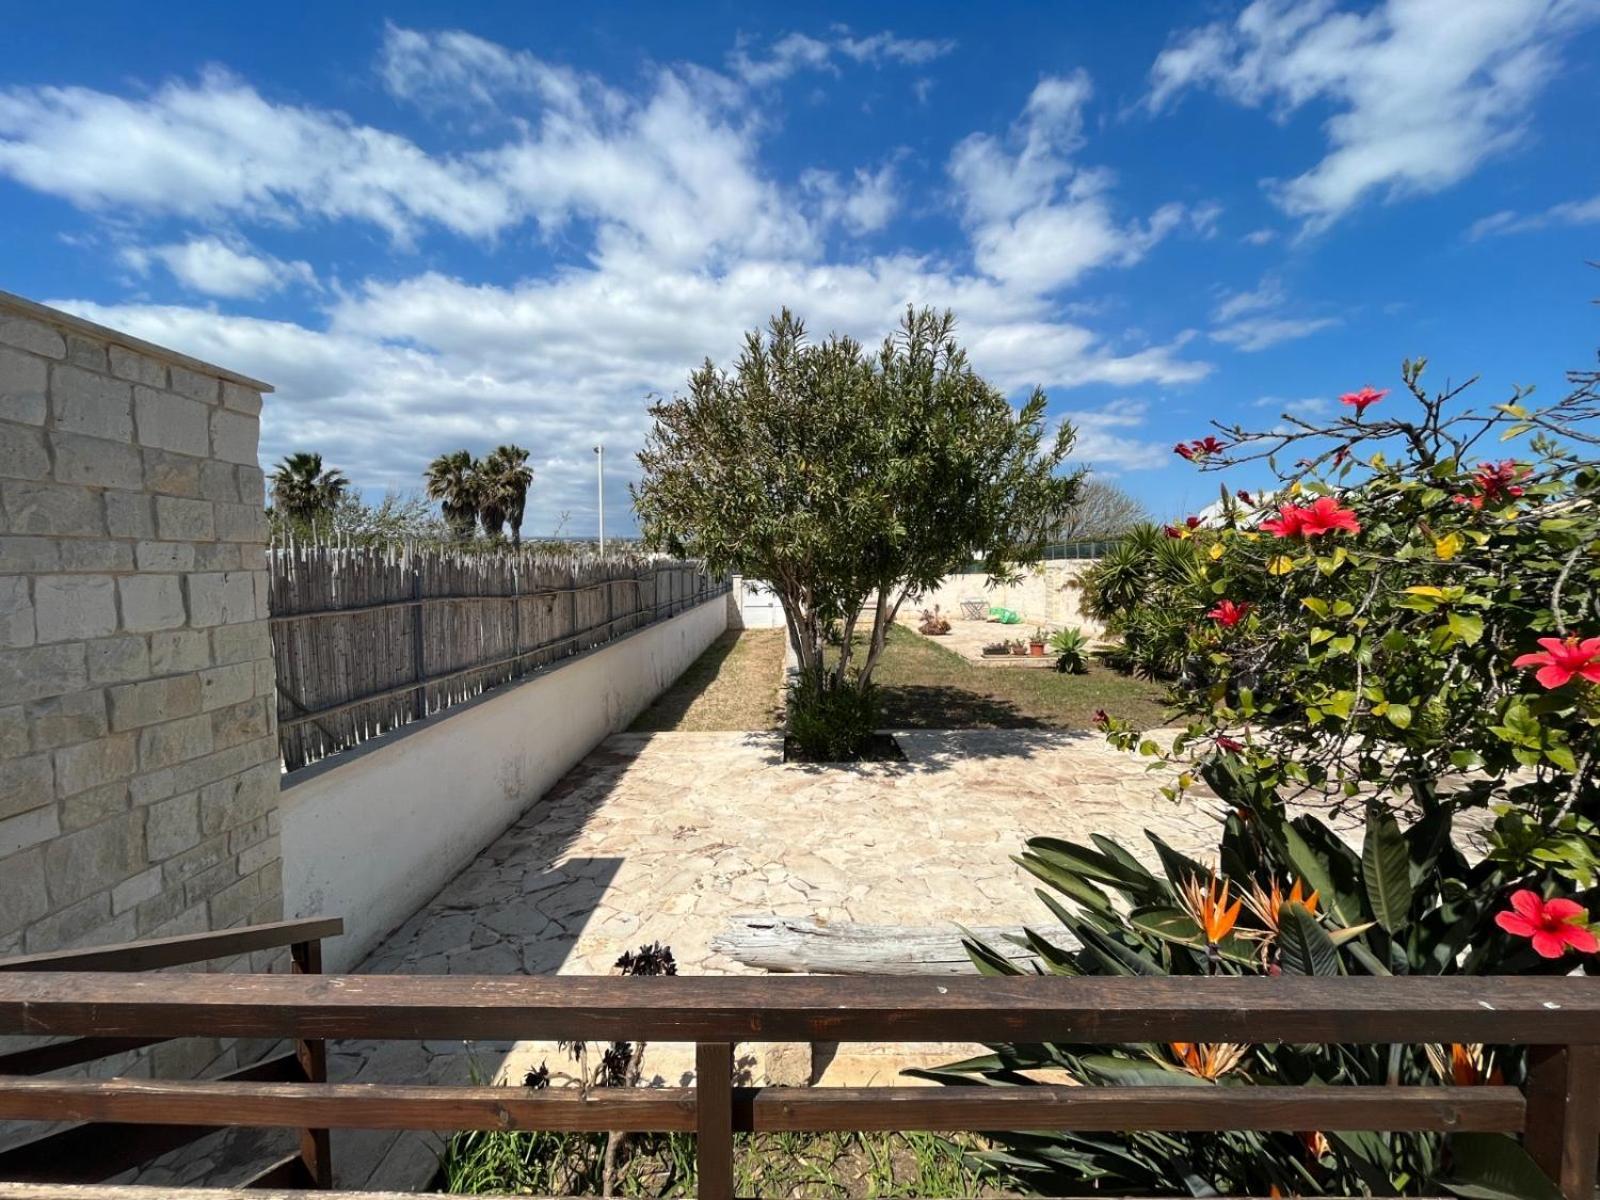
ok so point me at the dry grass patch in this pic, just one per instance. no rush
(732, 686)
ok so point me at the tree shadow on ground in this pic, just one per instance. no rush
(942, 706)
(668, 710)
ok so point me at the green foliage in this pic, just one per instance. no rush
(1071, 648)
(829, 722)
(304, 495)
(492, 491)
(1143, 590)
(1377, 659)
(1409, 902)
(842, 478)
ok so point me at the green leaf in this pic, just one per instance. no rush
(1386, 870)
(1399, 715)
(1304, 947)
(1492, 1166)
(1466, 627)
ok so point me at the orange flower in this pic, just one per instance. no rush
(1209, 1060)
(1208, 905)
(1468, 1065)
(1268, 906)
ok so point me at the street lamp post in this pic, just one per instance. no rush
(600, 492)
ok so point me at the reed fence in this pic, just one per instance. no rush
(367, 639)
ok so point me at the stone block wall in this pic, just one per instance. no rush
(138, 740)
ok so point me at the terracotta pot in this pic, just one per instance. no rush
(1035, 649)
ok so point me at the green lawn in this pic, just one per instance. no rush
(925, 686)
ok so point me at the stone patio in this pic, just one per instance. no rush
(664, 837)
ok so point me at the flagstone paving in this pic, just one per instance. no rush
(665, 837)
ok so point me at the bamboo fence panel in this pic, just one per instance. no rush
(369, 638)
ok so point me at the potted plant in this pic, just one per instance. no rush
(997, 649)
(1036, 643)
(1019, 648)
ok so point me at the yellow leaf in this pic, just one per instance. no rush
(1432, 592)
(1449, 546)
(1294, 488)
(1280, 565)
(1216, 551)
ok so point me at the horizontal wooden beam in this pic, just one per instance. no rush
(346, 1105)
(178, 951)
(94, 1152)
(1496, 1009)
(760, 1110)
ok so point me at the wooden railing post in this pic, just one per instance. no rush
(1563, 1124)
(713, 1097)
(313, 1056)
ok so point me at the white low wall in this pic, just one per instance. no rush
(372, 834)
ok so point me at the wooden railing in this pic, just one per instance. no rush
(1558, 1112)
(92, 1151)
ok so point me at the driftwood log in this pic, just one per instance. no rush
(792, 944)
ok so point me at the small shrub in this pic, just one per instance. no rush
(831, 723)
(933, 623)
(1071, 648)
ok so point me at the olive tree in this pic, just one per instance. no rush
(850, 481)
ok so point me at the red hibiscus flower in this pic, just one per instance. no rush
(1362, 400)
(1172, 531)
(1322, 515)
(1228, 614)
(1244, 496)
(1562, 659)
(1290, 522)
(1325, 515)
(1101, 719)
(1496, 483)
(1554, 925)
(1208, 445)
(1228, 744)
(1191, 522)
(1183, 451)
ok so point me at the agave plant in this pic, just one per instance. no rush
(1284, 897)
(1071, 648)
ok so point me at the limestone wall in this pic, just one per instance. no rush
(1046, 595)
(138, 741)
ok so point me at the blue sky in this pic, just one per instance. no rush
(438, 226)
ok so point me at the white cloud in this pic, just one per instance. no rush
(1570, 212)
(1423, 91)
(219, 267)
(1252, 320)
(1259, 237)
(1036, 220)
(1261, 333)
(684, 240)
(217, 148)
(1106, 438)
(865, 205)
(796, 52)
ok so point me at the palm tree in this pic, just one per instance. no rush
(454, 480)
(511, 477)
(303, 491)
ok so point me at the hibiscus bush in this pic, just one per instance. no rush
(1406, 628)
(1405, 618)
